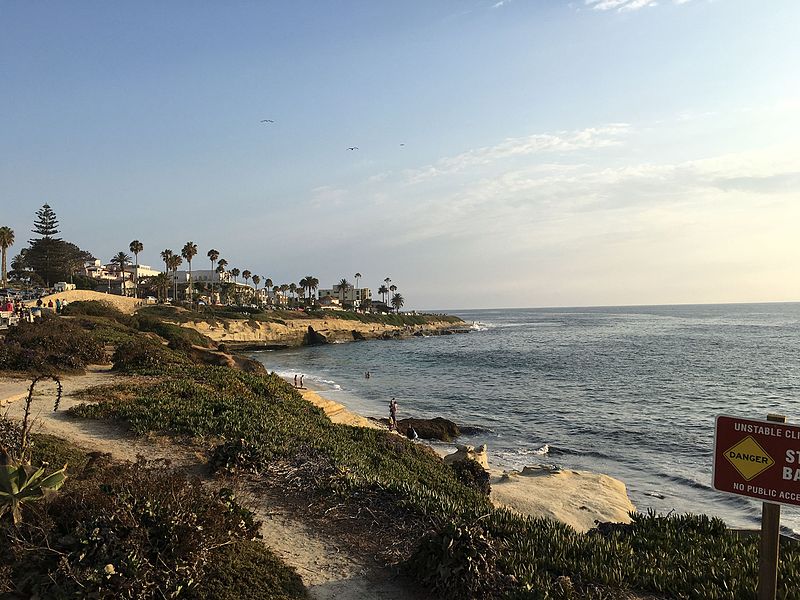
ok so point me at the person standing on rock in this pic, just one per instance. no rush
(393, 415)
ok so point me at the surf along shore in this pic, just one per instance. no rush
(348, 508)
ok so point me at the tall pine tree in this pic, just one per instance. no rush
(51, 258)
(46, 223)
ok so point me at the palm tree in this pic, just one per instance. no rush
(165, 256)
(304, 284)
(160, 283)
(313, 284)
(212, 255)
(189, 251)
(219, 270)
(393, 288)
(268, 286)
(235, 272)
(343, 285)
(175, 261)
(357, 276)
(6, 241)
(383, 290)
(135, 247)
(246, 275)
(397, 302)
(121, 260)
(256, 281)
(292, 288)
(301, 289)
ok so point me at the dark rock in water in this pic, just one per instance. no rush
(474, 430)
(358, 336)
(314, 338)
(419, 334)
(430, 429)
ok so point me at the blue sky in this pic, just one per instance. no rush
(555, 153)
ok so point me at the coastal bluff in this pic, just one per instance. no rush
(251, 334)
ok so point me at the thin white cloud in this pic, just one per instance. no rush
(625, 5)
(539, 143)
(501, 3)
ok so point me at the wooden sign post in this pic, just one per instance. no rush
(760, 459)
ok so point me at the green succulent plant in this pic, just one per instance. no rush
(21, 483)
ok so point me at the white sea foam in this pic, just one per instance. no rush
(316, 379)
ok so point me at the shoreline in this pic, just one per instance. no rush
(576, 498)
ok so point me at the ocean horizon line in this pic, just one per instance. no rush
(600, 306)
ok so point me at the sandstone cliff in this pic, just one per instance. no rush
(249, 333)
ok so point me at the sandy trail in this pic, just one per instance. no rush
(329, 572)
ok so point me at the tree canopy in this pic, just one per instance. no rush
(50, 258)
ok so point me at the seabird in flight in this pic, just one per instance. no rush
(353, 148)
(267, 121)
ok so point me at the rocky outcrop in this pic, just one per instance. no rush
(479, 455)
(240, 333)
(314, 338)
(430, 429)
(576, 498)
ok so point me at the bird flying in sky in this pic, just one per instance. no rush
(353, 148)
(267, 121)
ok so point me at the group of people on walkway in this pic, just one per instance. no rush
(58, 305)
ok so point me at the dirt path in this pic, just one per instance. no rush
(329, 572)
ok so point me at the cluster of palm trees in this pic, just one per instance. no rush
(396, 300)
(282, 294)
(285, 293)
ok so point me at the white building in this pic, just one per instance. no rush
(202, 276)
(141, 271)
(350, 296)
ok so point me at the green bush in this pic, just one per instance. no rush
(458, 562)
(49, 345)
(248, 571)
(179, 337)
(473, 475)
(145, 356)
(96, 308)
(125, 531)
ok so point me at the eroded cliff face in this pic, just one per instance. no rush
(295, 332)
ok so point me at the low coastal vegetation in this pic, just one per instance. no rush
(141, 530)
(211, 313)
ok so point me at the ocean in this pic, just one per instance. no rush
(627, 391)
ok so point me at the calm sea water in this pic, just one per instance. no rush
(627, 391)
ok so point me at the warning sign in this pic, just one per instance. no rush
(749, 458)
(758, 459)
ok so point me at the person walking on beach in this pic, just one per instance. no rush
(295, 380)
(301, 382)
(393, 415)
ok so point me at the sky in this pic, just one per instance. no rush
(511, 153)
